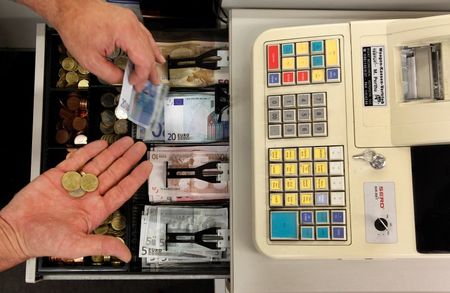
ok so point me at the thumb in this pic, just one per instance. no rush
(103, 245)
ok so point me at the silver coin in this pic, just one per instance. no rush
(105, 129)
(108, 117)
(108, 100)
(121, 113)
(80, 139)
(121, 126)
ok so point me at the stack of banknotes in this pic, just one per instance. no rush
(163, 188)
(158, 223)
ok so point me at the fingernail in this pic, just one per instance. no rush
(163, 60)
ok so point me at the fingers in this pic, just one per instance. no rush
(121, 167)
(156, 51)
(101, 162)
(82, 156)
(105, 69)
(102, 245)
(119, 194)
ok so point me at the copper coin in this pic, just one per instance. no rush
(83, 104)
(73, 103)
(62, 136)
(64, 113)
(79, 123)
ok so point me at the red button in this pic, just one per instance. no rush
(303, 76)
(273, 57)
(288, 78)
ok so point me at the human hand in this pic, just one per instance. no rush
(47, 221)
(91, 30)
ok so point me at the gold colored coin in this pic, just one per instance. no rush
(116, 263)
(102, 229)
(121, 61)
(84, 83)
(72, 77)
(89, 182)
(69, 64)
(118, 223)
(82, 70)
(107, 258)
(77, 193)
(71, 181)
(97, 258)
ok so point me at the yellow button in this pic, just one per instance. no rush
(290, 169)
(321, 183)
(276, 199)
(290, 184)
(320, 153)
(276, 184)
(291, 199)
(275, 155)
(306, 199)
(332, 52)
(302, 48)
(290, 154)
(276, 170)
(320, 168)
(318, 75)
(288, 63)
(305, 154)
(303, 62)
(305, 169)
(306, 183)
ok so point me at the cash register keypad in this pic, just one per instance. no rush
(297, 115)
(307, 193)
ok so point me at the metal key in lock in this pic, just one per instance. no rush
(376, 160)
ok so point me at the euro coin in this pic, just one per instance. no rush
(121, 61)
(82, 70)
(108, 117)
(102, 229)
(121, 126)
(97, 258)
(108, 100)
(106, 129)
(107, 220)
(71, 77)
(83, 83)
(62, 136)
(77, 193)
(89, 182)
(118, 223)
(71, 181)
(73, 102)
(80, 139)
(69, 64)
(79, 123)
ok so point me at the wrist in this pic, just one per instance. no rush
(11, 250)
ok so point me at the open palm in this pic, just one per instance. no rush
(49, 222)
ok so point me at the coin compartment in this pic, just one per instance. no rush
(97, 106)
(45, 265)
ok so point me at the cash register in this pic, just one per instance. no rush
(350, 126)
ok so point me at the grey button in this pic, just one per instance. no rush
(275, 116)
(319, 114)
(304, 100)
(304, 115)
(289, 130)
(319, 99)
(289, 101)
(289, 115)
(320, 129)
(275, 131)
(304, 129)
(274, 102)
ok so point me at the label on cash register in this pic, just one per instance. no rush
(374, 76)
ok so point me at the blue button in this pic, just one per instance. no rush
(287, 49)
(284, 225)
(321, 198)
(338, 233)
(274, 78)
(307, 217)
(338, 217)
(323, 233)
(333, 75)
(317, 61)
(307, 233)
(322, 217)
(317, 47)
